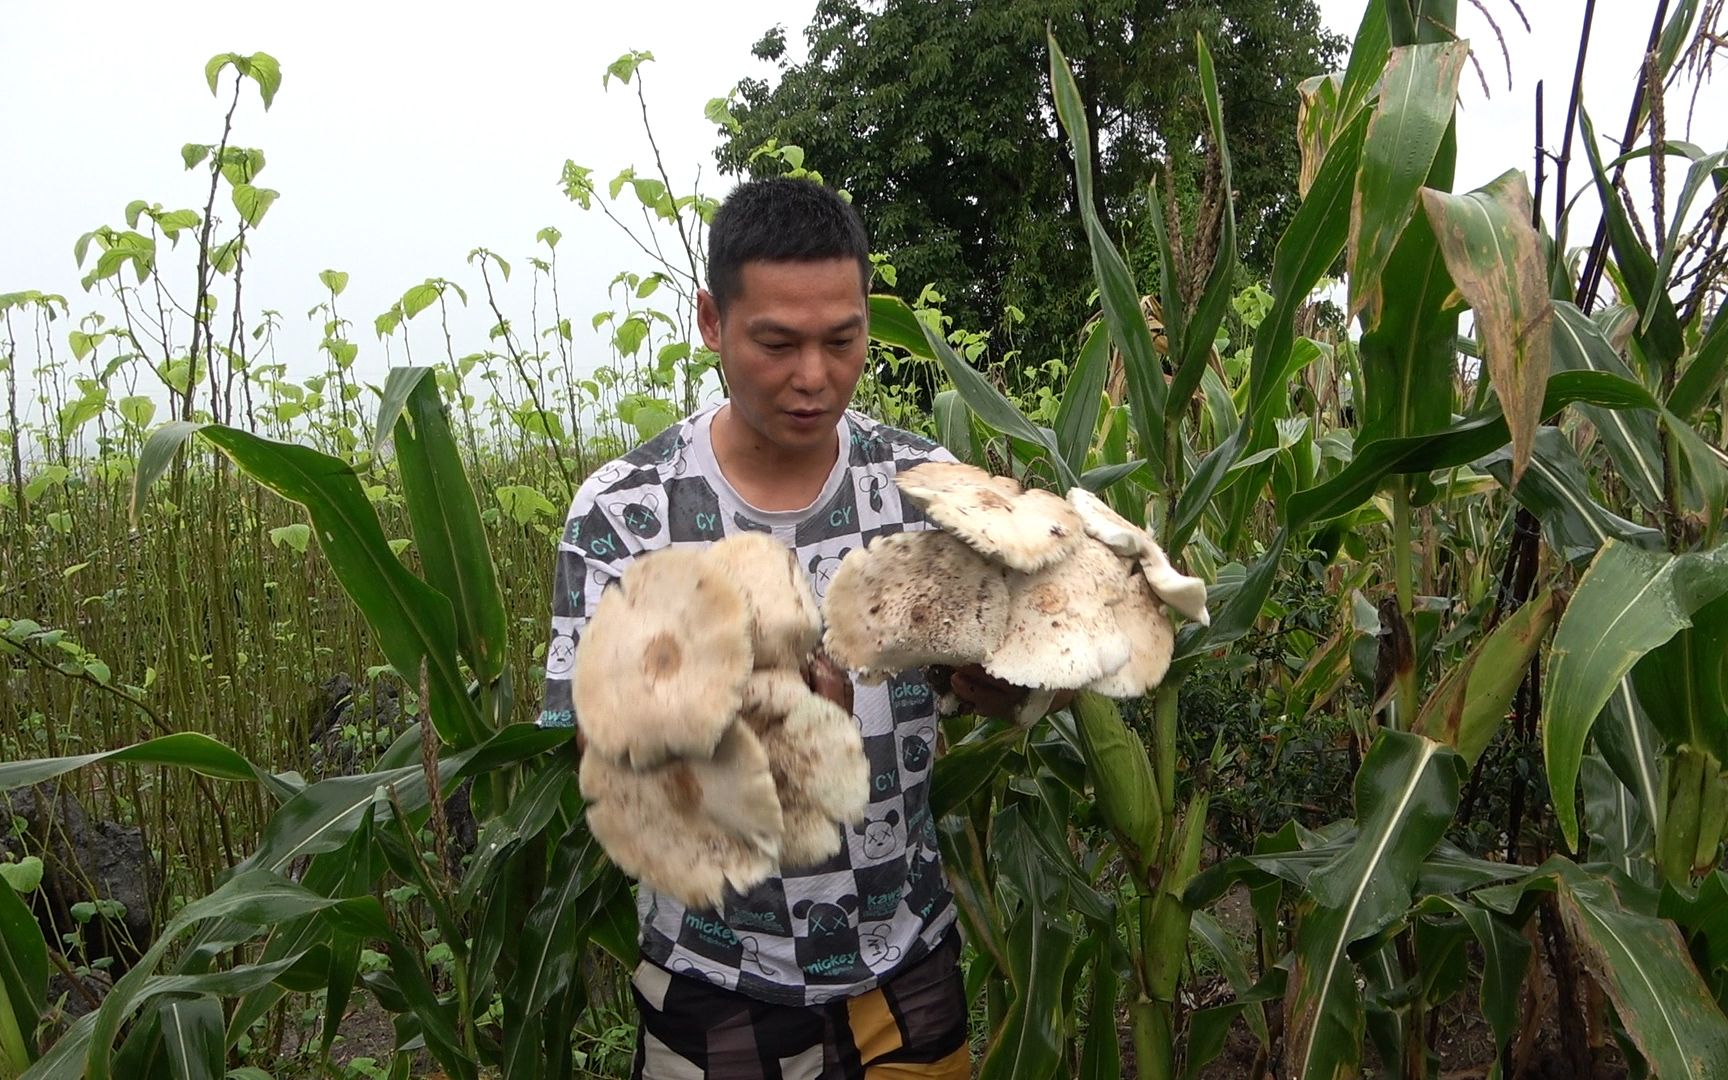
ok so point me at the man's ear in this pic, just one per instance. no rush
(708, 319)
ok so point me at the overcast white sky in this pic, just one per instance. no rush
(404, 136)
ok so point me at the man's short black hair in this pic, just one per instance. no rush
(780, 219)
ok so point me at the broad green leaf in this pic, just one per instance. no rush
(1406, 794)
(1082, 399)
(1238, 606)
(137, 410)
(1703, 376)
(1118, 294)
(1643, 964)
(1556, 488)
(1620, 833)
(1495, 258)
(524, 504)
(1463, 442)
(1030, 1043)
(419, 297)
(1629, 744)
(954, 427)
(966, 767)
(253, 202)
(1505, 959)
(1418, 90)
(333, 280)
(192, 1032)
(296, 536)
(1408, 357)
(414, 623)
(1471, 702)
(1628, 434)
(1629, 602)
(186, 749)
(446, 518)
(1101, 1053)
(23, 979)
(1682, 684)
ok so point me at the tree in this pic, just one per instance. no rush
(938, 118)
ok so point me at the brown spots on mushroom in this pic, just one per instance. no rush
(1049, 598)
(662, 658)
(683, 789)
(990, 500)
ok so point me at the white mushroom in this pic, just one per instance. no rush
(911, 600)
(785, 622)
(1186, 594)
(690, 827)
(1062, 633)
(661, 667)
(1022, 530)
(816, 757)
(1151, 641)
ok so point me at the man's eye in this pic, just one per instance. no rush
(840, 344)
(775, 346)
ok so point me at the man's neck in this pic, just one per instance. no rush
(767, 476)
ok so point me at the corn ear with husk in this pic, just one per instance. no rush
(1122, 779)
(1696, 815)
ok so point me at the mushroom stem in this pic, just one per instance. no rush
(1037, 703)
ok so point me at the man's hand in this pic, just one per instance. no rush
(828, 679)
(986, 695)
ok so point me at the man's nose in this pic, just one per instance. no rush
(810, 372)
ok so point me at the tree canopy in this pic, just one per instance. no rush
(938, 119)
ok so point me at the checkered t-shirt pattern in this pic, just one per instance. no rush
(815, 933)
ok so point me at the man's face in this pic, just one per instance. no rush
(792, 344)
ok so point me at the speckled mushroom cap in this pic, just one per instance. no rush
(661, 666)
(1151, 640)
(913, 599)
(1061, 632)
(785, 621)
(1186, 594)
(693, 826)
(1022, 530)
(816, 757)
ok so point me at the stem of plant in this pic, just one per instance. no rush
(1404, 574)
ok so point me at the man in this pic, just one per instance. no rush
(850, 968)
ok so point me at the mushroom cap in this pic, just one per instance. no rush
(1103, 524)
(785, 622)
(913, 599)
(691, 826)
(816, 757)
(1151, 641)
(662, 664)
(1185, 594)
(1061, 631)
(1023, 530)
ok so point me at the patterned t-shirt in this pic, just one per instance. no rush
(831, 930)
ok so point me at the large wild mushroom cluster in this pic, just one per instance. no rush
(709, 760)
(711, 763)
(1047, 593)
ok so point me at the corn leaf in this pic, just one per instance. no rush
(23, 980)
(1405, 130)
(1117, 292)
(1556, 488)
(1470, 703)
(1627, 604)
(1406, 794)
(1495, 257)
(192, 1033)
(1629, 435)
(1029, 1044)
(446, 518)
(1658, 331)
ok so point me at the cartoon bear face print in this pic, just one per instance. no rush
(750, 952)
(874, 945)
(684, 967)
(880, 839)
(610, 473)
(822, 570)
(560, 657)
(915, 749)
(826, 920)
(641, 518)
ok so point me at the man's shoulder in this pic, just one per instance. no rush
(652, 463)
(874, 442)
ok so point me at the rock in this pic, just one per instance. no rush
(346, 722)
(86, 861)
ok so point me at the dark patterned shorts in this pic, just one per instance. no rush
(913, 1025)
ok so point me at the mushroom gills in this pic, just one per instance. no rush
(690, 827)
